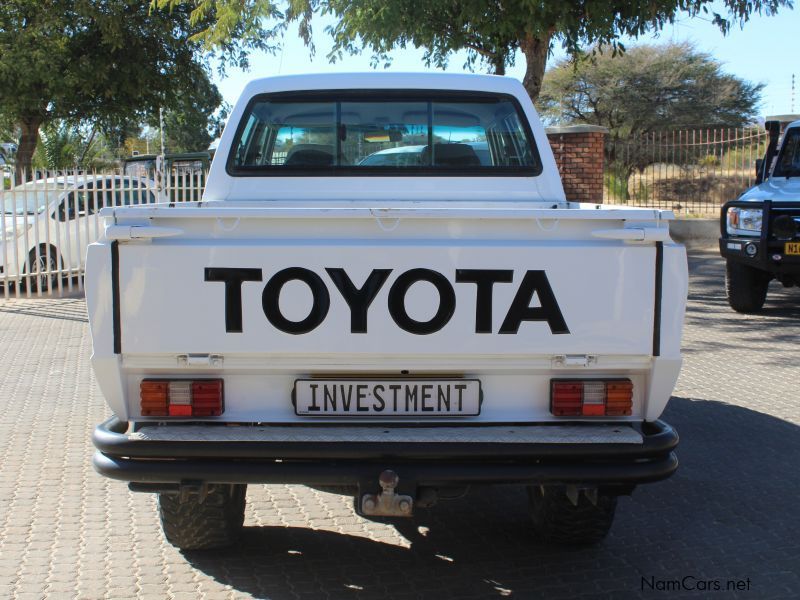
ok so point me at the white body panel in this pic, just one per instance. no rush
(600, 263)
(606, 306)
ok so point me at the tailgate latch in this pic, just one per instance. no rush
(387, 503)
(574, 360)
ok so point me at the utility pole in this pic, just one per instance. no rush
(161, 128)
(792, 108)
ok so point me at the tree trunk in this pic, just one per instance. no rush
(498, 62)
(88, 145)
(536, 51)
(27, 145)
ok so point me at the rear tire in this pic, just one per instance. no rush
(33, 269)
(557, 520)
(214, 523)
(746, 287)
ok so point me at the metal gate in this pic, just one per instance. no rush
(48, 222)
(690, 171)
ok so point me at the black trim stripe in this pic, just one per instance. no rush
(115, 296)
(657, 307)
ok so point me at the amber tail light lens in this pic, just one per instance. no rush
(591, 397)
(182, 398)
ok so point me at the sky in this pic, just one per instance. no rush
(766, 50)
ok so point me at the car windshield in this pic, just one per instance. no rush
(30, 198)
(788, 164)
(464, 134)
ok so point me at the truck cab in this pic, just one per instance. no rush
(760, 231)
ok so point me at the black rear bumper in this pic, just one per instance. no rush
(348, 463)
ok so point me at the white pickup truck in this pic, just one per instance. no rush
(397, 328)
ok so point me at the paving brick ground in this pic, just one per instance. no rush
(730, 513)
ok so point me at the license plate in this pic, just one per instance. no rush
(387, 397)
(792, 248)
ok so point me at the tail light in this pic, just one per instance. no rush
(591, 397)
(181, 397)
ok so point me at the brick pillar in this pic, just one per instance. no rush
(578, 150)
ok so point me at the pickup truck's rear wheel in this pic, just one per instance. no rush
(557, 520)
(746, 287)
(216, 522)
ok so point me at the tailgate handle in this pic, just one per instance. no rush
(634, 234)
(140, 232)
(200, 360)
(574, 360)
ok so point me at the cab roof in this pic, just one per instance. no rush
(385, 80)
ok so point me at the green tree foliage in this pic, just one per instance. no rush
(80, 60)
(65, 146)
(233, 28)
(647, 89)
(7, 132)
(193, 123)
(489, 30)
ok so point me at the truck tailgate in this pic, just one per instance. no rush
(273, 303)
(545, 298)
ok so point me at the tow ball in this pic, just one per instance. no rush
(387, 503)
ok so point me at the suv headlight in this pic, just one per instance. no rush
(744, 221)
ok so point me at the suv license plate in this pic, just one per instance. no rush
(387, 397)
(792, 248)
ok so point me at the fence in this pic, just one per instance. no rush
(47, 223)
(689, 171)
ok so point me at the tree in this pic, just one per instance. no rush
(6, 129)
(67, 146)
(101, 61)
(489, 30)
(647, 89)
(233, 28)
(7, 147)
(193, 123)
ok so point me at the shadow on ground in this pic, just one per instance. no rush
(778, 321)
(72, 308)
(728, 514)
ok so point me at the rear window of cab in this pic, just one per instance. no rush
(380, 133)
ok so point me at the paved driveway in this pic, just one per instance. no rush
(729, 515)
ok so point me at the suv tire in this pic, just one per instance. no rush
(216, 522)
(746, 287)
(557, 520)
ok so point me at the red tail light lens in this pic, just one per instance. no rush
(154, 397)
(591, 397)
(566, 398)
(182, 398)
(207, 398)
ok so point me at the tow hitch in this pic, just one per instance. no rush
(387, 503)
